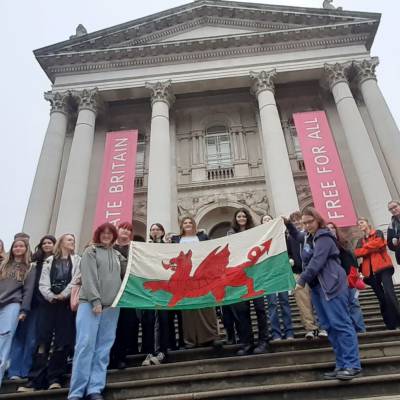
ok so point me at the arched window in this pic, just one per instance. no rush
(218, 147)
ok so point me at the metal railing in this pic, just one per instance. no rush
(220, 173)
(139, 182)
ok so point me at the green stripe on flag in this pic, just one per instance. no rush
(272, 275)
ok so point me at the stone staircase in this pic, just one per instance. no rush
(292, 371)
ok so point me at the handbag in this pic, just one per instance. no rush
(74, 299)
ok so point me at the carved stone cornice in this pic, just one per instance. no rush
(207, 20)
(336, 73)
(275, 17)
(161, 91)
(58, 101)
(365, 69)
(88, 99)
(147, 56)
(263, 80)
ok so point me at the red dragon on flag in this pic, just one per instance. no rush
(213, 275)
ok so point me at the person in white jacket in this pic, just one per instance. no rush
(56, 320)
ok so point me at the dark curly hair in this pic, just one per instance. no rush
(249, 223)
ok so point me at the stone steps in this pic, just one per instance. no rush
(186, 362)
(228, 373)
(292, 371)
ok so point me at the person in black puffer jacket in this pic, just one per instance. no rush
(393, 232)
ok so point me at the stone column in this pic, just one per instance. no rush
(275, 155)
(73, 199)
(44, 189)
(366, 163)
(159, 181)
(387, 132)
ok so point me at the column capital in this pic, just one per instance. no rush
(365, 69)
(161, 91)
(88, 99)
(336, 73)
(58, 101)
(263, 80)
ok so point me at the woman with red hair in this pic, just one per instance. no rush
(96, 322)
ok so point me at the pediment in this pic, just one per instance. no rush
(206, 25)
(206, 31)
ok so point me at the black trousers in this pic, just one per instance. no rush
(382, 285)
(241, 313)
(262, 324)
(230, 323)
(148, 321)
(127, 336)
(172, 315)
(163, 332)
(56, 326)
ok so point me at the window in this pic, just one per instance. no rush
(293, 133)
(140, 152)
(218, 147)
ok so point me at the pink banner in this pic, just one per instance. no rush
(324, 170)
(117, 184)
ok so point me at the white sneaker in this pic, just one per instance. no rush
(310, 335)
(158, 359)
(14, 378)
(54, 385)
(147, 360)
(322, 333)
(25, 389)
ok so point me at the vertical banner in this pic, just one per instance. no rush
(117, 184)
(324, 170)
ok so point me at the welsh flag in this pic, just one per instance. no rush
(223, 271)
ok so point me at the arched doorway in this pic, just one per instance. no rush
(139, 231)
(217, 221)
(219, 230)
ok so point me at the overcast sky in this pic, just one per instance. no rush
(28, 25)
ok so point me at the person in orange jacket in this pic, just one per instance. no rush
(377, 269)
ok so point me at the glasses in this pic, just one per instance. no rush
(393, 207)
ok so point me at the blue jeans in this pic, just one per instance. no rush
(273, 313)
(24, 346)
(95, 335)
(355, 311)
(334, 315)
(8, 325)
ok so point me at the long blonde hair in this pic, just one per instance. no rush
(6, 266)
(182, 232)
(2, 251)
(57, 247)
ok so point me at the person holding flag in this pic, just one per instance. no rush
(328, 281)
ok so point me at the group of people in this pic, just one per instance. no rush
(55, 304)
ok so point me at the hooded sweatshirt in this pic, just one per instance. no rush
(102, 269)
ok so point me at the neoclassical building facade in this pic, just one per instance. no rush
(212, 87)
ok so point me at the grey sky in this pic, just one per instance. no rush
(28, 25)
